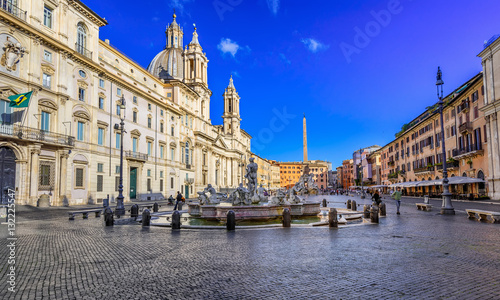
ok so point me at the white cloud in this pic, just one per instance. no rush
(227, 45)
(236, 74)
(179, 5)
(155, 19)
(284, 59)
(274, 6)
(314, 45)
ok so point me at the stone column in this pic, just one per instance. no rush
(63, 176)
(34, 173)
(22, 194)
(495, 156)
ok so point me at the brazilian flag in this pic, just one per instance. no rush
(20, 100)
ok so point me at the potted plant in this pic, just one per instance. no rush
(469, 162)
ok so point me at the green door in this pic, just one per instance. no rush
(186, 194)
(133, 183)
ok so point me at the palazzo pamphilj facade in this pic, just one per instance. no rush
(66, 145)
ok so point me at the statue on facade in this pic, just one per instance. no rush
(12, 53)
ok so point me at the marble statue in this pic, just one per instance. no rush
(279, 199)
(251, 175)
(214, 198)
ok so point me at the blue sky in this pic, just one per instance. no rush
(359, 70)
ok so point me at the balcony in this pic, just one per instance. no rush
(36, 135)
(7, 6)
(471, 150)
(465, 127)
(131, 155)
(390, 163)
(83, 51)
(424, 170)
(449, 166)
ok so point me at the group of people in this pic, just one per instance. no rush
(396, 195)
(179, 200)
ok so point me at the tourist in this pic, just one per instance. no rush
(171, 200)
(376, 198)
(179, 199)
(397, 196)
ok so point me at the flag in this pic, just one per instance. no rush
(20, 100)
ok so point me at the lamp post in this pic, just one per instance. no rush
(120, 208)
(446, 208)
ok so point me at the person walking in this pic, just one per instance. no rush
(178, 199)
(397, 196)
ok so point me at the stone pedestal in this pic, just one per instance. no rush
(43, 201)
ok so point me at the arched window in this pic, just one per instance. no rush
(81, 42)
(480, 175)
(187, 153)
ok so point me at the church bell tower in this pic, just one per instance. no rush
(231, 114)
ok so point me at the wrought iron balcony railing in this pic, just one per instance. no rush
(467, 149)
(34, 134)
(83, 51)
(136, 155)
(9, 7)
(465, 127)
(423, 169)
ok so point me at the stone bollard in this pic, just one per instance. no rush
(382, 209)
(146, 218)
(324, 203)
(366, 211)
(374, 214)
(155, 207)
(134, 211)
(349, 204)
(287, 218)
(354, 206)
(176, 220)
(332, 218)
(108, 217)
(231, 220)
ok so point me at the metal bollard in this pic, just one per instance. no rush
(354, 206)
(108, 217)
(231, 220)
(146, 218)
(287, 218)
(134, 211)
(382, 210)
(155, 207)
(374, 214)
(176, 220)
(332, 218)
(349, 204)
(366, 211)
(324, 203)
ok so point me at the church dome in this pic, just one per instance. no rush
(168, 64)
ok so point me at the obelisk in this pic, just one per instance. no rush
(305, 139)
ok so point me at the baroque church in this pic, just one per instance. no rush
(66, 143)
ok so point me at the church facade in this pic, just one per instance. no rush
(66, 143)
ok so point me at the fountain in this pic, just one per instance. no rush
(250, 203)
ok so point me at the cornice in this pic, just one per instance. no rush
(87, 12)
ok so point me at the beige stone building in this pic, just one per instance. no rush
(65, 143)
(416, 153)
(490, 57)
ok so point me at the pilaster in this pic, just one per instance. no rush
(34, 172)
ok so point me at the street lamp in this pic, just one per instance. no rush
(120, 208)
(446, 208)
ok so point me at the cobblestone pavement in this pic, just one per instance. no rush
(415, 255)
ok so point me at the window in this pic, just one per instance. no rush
(172, 131)
(47, 80)
(134, 116)
(161, 151)
(149, 172)
(82, 74)
(161, 127)
(81, 42)
(47, 16)
(117, 169)
(118, 138)
(149, 122)
(161, 112)
(134, 144)
(171, 182)
(80, 131)
(101, 103)
(187, 120)
(45, 175)
(161, 174)
(45, 121)
(475, 96)
(149, 148)
(117, 183)
(149, 106)
(5, 112)
(476, 112)
(47, 55)
(187, 153)
(118, 109)
(119, 91)
(79, 177)
(172, 154)
(134, 99)
(100, 136)
(99, 183)
(161, 185)
(169, 95)
(81, 94)
(100, 167)
(101, 83)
